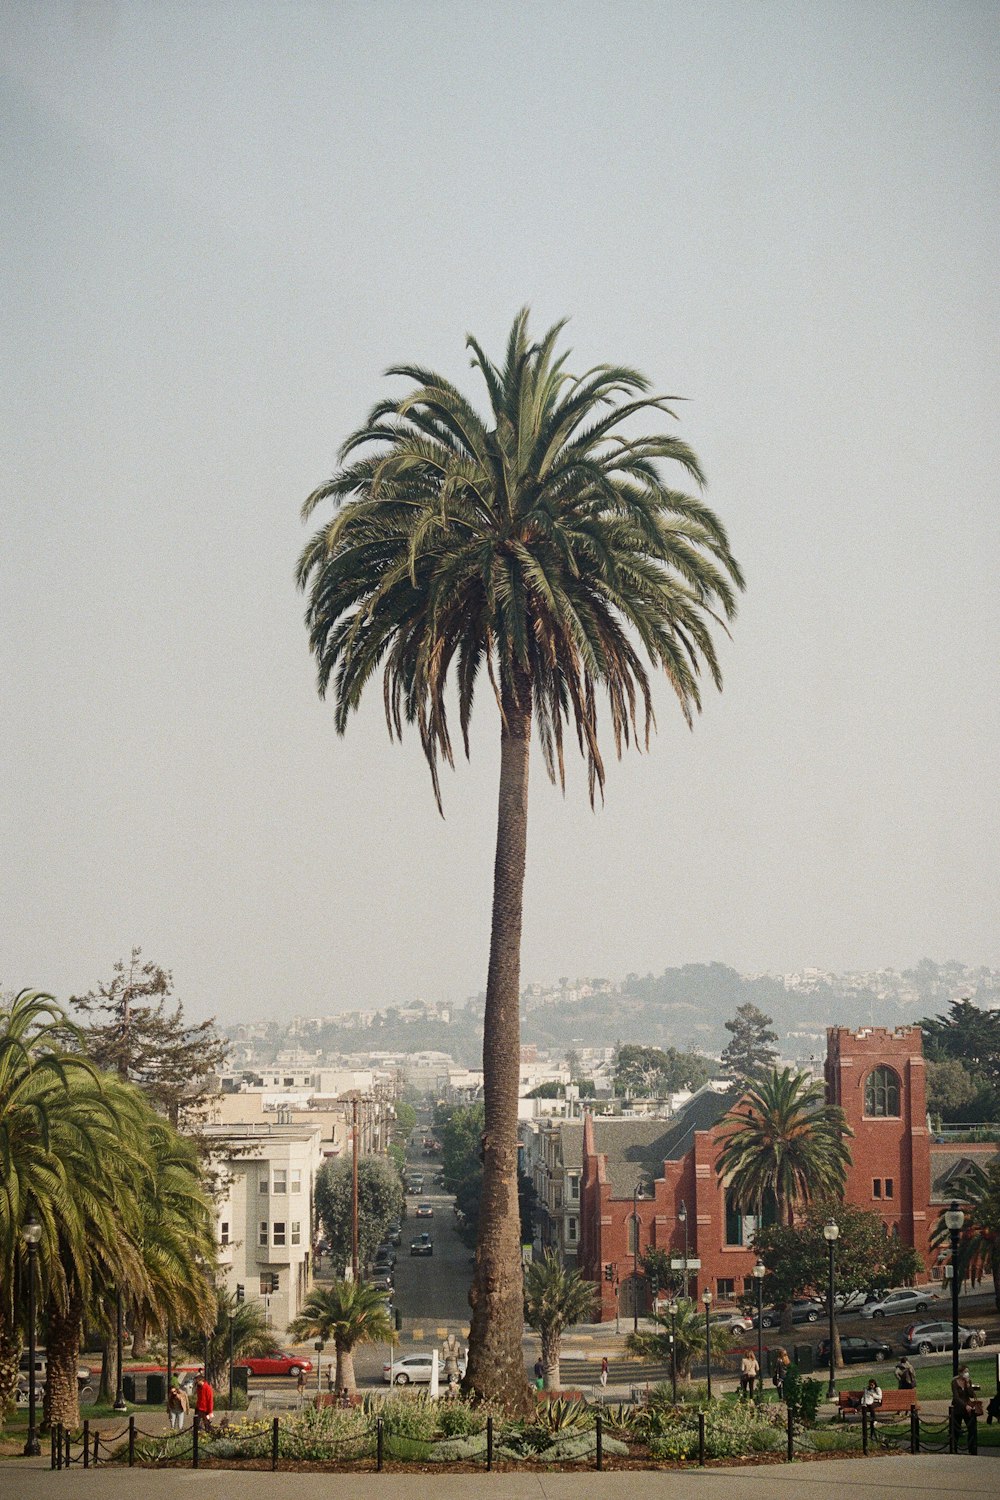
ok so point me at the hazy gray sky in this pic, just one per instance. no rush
(223, 221)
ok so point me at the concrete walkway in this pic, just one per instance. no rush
(895, 1478)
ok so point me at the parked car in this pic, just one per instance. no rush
(83, 1373)
(414, 1369)
(425, 1211)
(733, 1322)
(275, 1364)
(904, 1299)
(804, 1310)
(381, 1281)
(925, 1338)
(422, 1245)
(394, 1233)
(856, 1351)
(387, 1253)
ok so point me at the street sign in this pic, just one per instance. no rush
(677, 1263)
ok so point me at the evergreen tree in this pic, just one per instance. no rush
(750, 1055)
(380, 1201)
(137, 1030)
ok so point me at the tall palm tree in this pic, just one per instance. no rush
(349, 1313)
(542, 546)
(782, 1138)
(555, 1299)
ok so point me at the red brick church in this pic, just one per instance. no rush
(875, 1075)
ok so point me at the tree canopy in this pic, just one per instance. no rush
(749, 1054)
(380, 1201)
(645, 1072)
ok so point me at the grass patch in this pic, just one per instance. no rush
(933, 1382)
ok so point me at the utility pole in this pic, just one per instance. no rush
(354, 1187)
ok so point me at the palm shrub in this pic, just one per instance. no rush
(979, 1246)
(348, 1313)
(539, 546)
(244, 1322)
(555, 1299)
(689, 1338)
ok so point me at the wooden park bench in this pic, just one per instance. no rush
(897, 1402)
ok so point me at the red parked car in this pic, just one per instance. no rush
(276, 1364)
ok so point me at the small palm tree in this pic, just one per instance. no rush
(782, 1138)
(555, 1299)
(349, 1313)
(979, 1245)
(689, 1338)
(250, 1335)
(540, 548)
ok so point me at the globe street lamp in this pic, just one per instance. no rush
(682, 1218)
(954, 1218)
(706, 1297)
(672, 1310)
(831, 1233)
(759, 1272)
(31, 1233)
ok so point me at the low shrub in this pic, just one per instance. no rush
(410, 1417)
(457, 1419)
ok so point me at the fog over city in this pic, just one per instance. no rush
(224, 222)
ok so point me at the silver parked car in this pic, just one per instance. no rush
(907, 1299)
(926, 1338)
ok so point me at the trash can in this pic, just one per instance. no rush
(805, 1357)
(240, 1373)
(128, 1388)
(156, 1389)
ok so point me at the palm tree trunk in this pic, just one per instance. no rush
(108, 1388)
(10, 1358)
(551, 1349)
(62, 1355)
(496, 1360)
(345, 1370)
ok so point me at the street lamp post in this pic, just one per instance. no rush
(706, 1297)
(637, 1192)
(31, 1234)
(672, 1310)
(682, 1215)
(759, 1272)
(831, 1232)
(119, 1352)
(954, 1218)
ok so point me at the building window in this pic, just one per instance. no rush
(279, 1233)
(889, 1186)
(633, 1234)
(262, 1236)
(289, 1083)
(876, 1187)
(727, 1288)
(295, 1186)
(574, 1189)
(741, 1227)
(296, 1232)
(882, 1094)
(280, 1182)
(571, 1231)
(224, 1232)
(262, 1183)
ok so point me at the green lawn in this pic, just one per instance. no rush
(933, 1382)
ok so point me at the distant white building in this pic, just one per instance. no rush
(265, 1220)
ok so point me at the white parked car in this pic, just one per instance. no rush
(907, 1299)
(415, 1369)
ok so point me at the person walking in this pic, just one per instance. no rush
(539, 1375)
(604, 1371)
(204, 1404)
(300, 1386)
(177, 1405)
(906, 1375)
(782, 1365)
(965, 1407)
(749, 1371)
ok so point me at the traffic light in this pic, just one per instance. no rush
(609, 1271)
(240, 1291)
(654, 1285)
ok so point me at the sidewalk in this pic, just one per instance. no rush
(894, 1478)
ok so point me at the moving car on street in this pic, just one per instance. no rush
(422, 1245)
(425, 1210)
(907, 1299)
(804, 1310)
(275, 1364)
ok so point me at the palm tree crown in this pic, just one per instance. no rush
(541, 544)
(349, 1313)
(783, 1138)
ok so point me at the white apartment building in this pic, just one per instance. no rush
(265, 1221)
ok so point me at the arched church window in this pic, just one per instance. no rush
(882, 1093)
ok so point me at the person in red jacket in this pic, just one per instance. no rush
(204, 1404)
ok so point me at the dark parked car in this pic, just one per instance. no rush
(856, 1351)
(804, 1310)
